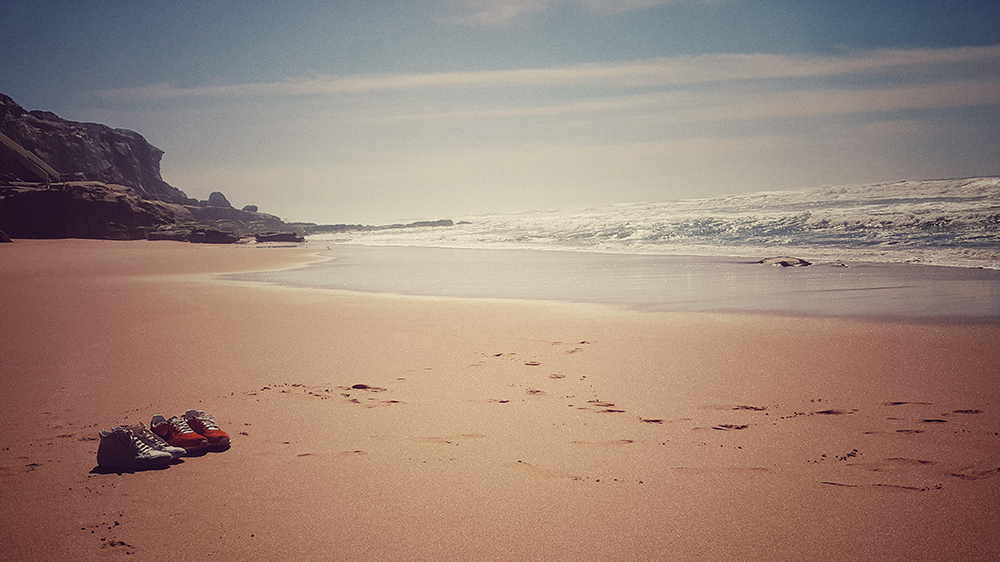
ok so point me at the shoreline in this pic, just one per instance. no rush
(658, 283)
(930, 257)
(486, 429)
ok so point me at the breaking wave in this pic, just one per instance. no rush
(940, 222)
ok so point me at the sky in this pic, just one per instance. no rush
(374, 112)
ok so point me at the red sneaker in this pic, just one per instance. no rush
(204, 424)
(176, 432)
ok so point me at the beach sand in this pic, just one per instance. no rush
(485, 430)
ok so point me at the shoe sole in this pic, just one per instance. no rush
(152, 465)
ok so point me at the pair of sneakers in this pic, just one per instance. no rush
(195, 431)
(134, 447)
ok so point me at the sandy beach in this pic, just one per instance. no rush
(379, 427)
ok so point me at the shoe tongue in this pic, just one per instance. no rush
(206, 420)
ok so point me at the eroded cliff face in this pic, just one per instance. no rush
(105, 184)
(84, 151)
(63, 179)
(84, 210)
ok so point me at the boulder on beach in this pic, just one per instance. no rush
(209, 236)
(279, 237)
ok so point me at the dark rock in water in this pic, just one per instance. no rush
(209, 236)
(361, 386)
(279, 237)
(83, 210)
(785, 262)
(4, 238)
(80, 151)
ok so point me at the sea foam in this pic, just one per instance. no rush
(940, 222)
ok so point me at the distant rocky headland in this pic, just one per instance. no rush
(64, 179)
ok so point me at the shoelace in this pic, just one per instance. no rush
(140, 445)
(207, 421)
(181, 425)
(150, 438)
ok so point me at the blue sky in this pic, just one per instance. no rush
(373, 112)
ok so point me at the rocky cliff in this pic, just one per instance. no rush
(84, 151)
(63, 179)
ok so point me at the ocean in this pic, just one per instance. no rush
(924, 250)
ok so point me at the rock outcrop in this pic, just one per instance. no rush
(217, 199)
(63, 179)
(209, 236)
(84, 151)
(83, 210)
(278, 237)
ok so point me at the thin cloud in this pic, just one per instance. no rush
(492, 13)
(746, 104)
(657, 72)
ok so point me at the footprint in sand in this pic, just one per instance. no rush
(543, 472)
(897, 486)
(602, 407)
(448, 440)
(733, 407)
(613, 442)
(356, 453)
(968, 473)
(893, 464)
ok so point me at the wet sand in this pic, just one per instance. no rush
(660, 283)
(375, 427)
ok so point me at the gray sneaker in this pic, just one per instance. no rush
(120, 449)
(153, 440)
